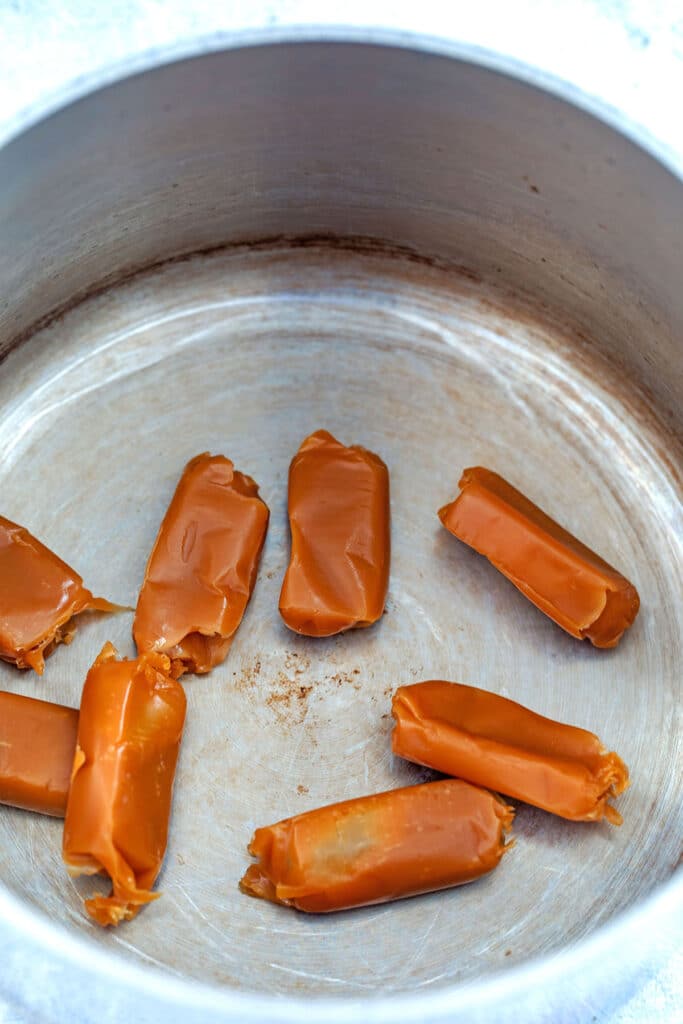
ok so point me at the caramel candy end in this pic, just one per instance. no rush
(199, 654)
(40, 597)
(108, 911)
(32, 659)
(612, 815)
(255, 883)
(443, 514)
(618, 615)
(613, 779)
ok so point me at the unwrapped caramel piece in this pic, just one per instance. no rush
(338, 506)
(560, 575)
(37, 743)
(129, 731)
(379, 848)
(203, 566)
(479, 736)
(39, 597)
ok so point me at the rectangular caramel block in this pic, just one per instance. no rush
(560, 575)
(494, 742)
(338, 506)
(203, 566)
(129, 731)
(379, 848)
(39, 597)
(37, 744)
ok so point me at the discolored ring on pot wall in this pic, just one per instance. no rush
(445, 157)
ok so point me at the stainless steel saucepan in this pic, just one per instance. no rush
(445, 264)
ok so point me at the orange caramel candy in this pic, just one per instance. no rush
(202, 569)
(560, 575)
(338, 506)
(39, 597)
(129, 731)
(379, 848)
(37, 743)
(491, 741)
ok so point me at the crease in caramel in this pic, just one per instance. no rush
(40, 598)
(567, 581)
(130, 727)
(494, 742)
(378, 848)
(202, 569)
(339, 518)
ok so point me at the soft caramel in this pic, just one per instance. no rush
(379, 848)
(203, 566)
(338, 507)
(37, 743)
(39, 597)
(129, 731)
(492, 741)
(560, 575)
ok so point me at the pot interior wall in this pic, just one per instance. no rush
(455, 161)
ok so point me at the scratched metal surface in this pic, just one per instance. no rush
(244, 352)
(476, 170)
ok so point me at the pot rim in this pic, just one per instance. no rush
(661, 912)
(381, 36)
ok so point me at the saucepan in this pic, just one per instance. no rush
(443, 262)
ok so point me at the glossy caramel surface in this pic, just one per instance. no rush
(495, 742)
(129, 731)
(380, 847)
(203, 566)
(565, 579)
(338, 504)
(39, 596)
(37, 744)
